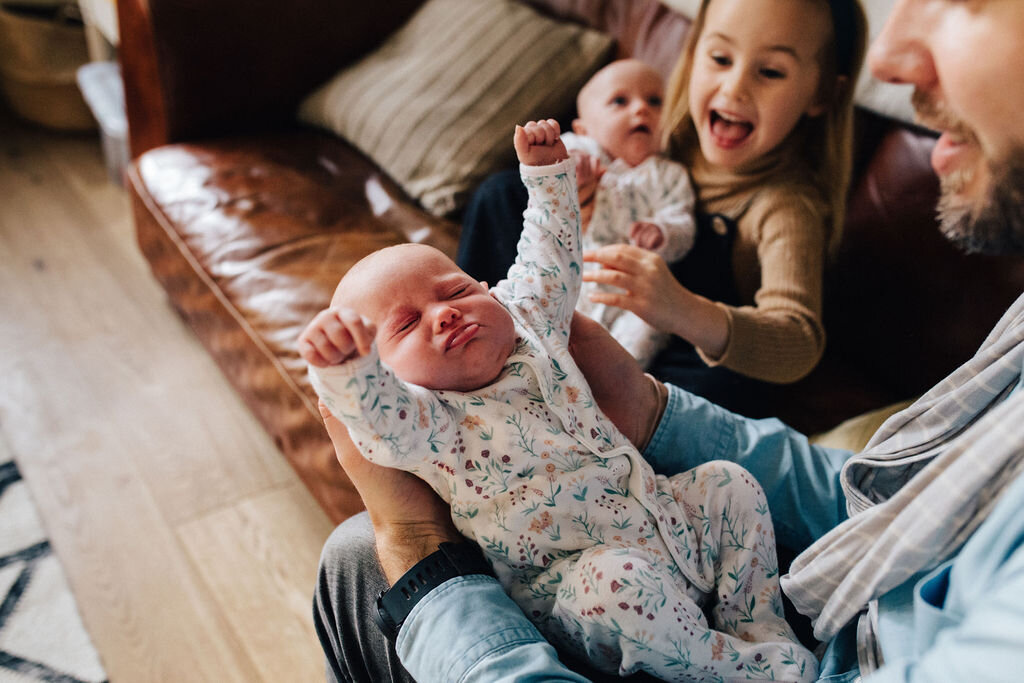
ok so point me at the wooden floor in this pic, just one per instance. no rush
(189, 543)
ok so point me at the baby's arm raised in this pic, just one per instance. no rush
(538, 143)
(547, 268)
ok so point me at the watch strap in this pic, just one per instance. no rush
(447, 562)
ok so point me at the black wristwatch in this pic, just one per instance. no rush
(447, 562)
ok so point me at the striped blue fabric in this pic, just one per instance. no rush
(927, 479)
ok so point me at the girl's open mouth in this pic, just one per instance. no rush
(729, 131)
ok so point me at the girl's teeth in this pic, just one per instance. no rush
(728, 130)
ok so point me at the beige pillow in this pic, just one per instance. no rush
(436, 104)
(854, 434)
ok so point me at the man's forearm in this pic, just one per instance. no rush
(400, 547)
(409, 520)
(631, 399)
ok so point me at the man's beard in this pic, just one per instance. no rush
(995, 224)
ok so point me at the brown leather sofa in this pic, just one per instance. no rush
(248, 220)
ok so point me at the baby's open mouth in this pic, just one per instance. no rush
(642, 128)
(729, 129)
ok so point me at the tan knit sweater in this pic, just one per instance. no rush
(778, 265)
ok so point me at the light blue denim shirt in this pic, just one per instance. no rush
(962, 621)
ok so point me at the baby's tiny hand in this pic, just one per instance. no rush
(589, 170)
(646, 235)
(334, 336)
(538, 143)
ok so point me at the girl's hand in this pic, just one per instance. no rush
(651, 291)
(334, 336)
(648, 287)
(538, 143)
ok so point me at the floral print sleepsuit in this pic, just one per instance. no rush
(634, 571)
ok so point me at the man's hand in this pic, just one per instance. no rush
(334, 336)
(646, 235)
(409, 520)
(538, 143)
(632, 400)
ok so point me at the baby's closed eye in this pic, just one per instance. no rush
(403, 325)
(459, 291)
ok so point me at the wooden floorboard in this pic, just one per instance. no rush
(189, 542)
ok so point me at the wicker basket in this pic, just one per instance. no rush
(41, 48)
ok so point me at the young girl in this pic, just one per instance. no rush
(759, 107)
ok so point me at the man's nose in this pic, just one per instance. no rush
(900, 54)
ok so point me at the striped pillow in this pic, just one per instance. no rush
(435, 105)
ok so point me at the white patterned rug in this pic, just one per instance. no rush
(41, 632)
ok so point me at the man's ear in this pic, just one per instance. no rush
(578, 127)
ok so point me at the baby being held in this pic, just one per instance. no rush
(433, 325)
(475, 391)
(629, 192)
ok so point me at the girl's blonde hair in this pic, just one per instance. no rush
(827, 139)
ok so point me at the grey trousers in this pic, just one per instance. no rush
(348, 582)
(347, 585)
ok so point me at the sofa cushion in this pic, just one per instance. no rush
(435, 105)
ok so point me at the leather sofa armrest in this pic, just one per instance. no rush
(200, 69)
(392, 207)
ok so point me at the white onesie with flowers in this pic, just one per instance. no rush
(657, 190)
(612, 562)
